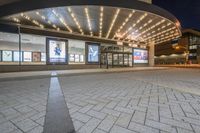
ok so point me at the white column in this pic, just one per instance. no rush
(151, 54)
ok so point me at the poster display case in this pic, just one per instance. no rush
(7, 56)
(57, 51)
(93, 53)
(140, 56)
(27, 56)
(36, 56)
(43, 57)
(17, 57)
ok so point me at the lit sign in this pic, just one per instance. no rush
(57, 51)
(7, 55)
(27, 56)
(16, 56)
(140, 56)
(93, 53)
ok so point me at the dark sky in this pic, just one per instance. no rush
(186, 11)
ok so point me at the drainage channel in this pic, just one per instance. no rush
(57, 118)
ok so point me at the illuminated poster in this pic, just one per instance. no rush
(71, 57)
(7, 55)
(43, 57)
(16, 56)
(81, 58)
(27, 56)
(76, 58)
(140, 56)
(0, 55)
(93, 53)
(57, 51)
(36, 56)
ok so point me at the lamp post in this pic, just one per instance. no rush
(186, 52)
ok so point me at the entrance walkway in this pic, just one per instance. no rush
(126, 102)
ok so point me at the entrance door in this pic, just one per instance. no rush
(106, 60)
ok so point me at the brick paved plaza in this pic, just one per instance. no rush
(156, 101)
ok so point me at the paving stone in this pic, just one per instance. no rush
(142, 128)
(181, 130)
(123, 120)
(111, 112)
(152, 113)
(24, 109)
(86, 108)
(98, 131)
(176, 123)
(99, 106)
(196, 128)
(81, 117)
(38, 129)
(139, 117)
(118, 129)
(107, 123)
(159, 125)
(77, 124)
(40, 121)
(124, 110)
(89, 126)
(112, 104)
(96, 114)
(26, 125)
(7, 127)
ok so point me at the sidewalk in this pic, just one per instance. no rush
(73, 72)
(181, 65)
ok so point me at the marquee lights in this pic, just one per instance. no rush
(16, 20)
(113, 22)
(62, 21)
(75, 20)
(134, 24)
(101, 21)
(49, 22)
(124, 23)
(33, 21)
(88, 21)
(160, 33)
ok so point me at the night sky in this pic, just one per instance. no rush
(186, 11)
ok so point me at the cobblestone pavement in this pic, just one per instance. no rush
(128, 102)
(23, 105)
(134, 102)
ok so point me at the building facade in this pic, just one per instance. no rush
(81, 34)
(166, 53)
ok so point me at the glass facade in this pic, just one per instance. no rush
(42, 50)
(76, 52)
(33, 49)
(9, 47)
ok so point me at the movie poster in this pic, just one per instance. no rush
(57, 51)
(93, 53)
(27, 57)
(140, 56)
(16, 56)
(43, 57)
(7, 55)
(36, 56)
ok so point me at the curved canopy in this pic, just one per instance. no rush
(126, 21)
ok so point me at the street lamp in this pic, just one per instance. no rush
(186, 52)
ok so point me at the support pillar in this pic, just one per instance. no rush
(151, 54)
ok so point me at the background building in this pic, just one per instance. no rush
(167, 52)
